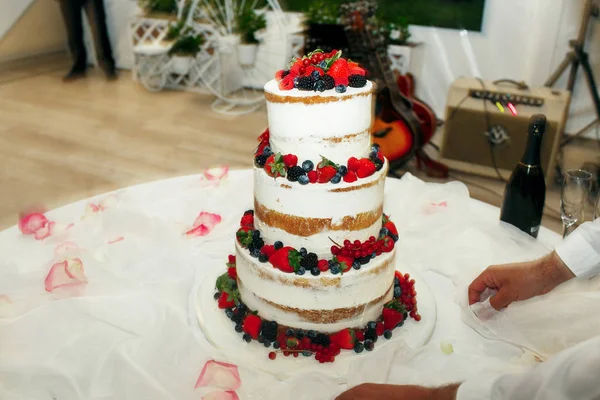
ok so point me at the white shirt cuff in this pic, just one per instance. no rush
(476, 389)
(579, 255)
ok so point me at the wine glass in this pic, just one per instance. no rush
(575, 191)
(597, 208)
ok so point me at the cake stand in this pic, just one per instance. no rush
(220, 333)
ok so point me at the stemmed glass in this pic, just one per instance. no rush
(597, 208)
(575, 191)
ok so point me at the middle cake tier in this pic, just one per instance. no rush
(312, 216)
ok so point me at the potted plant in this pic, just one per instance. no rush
(160, 8)
(249, 22)
(186, 44)
(400, 49)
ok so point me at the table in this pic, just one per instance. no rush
(114, 321)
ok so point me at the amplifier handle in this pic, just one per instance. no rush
(520, 85)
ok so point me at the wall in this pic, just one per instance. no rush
(26, 31)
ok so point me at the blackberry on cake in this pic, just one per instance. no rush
(305, 83)
(328, 81)
(357, 81)
(294, 173)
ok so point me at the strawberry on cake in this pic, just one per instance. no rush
(314, 265)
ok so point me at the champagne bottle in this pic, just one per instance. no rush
(525, 193)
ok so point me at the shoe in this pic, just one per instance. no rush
(111, 74)
(74, 74)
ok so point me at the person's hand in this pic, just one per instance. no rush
(371, 391)
(520, 281)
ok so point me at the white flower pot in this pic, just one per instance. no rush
(247, 53)
(400, 57)
(181, 64)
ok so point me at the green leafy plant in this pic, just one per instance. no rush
(393, 31)
(248, 23)
(322, 12)
(159, 6)
(187, 44)
(174, 31)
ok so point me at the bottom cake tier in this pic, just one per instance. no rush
(343, 303)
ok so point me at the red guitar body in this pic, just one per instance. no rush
(428, 124)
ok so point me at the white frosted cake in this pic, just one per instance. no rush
(314, 269)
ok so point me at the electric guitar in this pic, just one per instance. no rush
(396, 128)
(428, 122)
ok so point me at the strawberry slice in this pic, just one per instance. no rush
(366, 168)
(274, 166)
(388, 244)
(268, 250)
(340, 72)
(350, 177)
(252, 325)
(225, 300)
(325, 174)
(345, 339)
(232, 273)
(356, 69)
(391, 227)
(345, 262)
(247, 220)
(391, 318)
(286, 259)
(353, 164)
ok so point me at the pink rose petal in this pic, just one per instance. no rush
(201, 230)
(216, 174)
(228, 395)
(116, 240)
(67, 273)
(204, 224)
(208, 219)
(44, 231)
(29, 224)
(219, 375)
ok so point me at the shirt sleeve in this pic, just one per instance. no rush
(571, 374)
(580, 251)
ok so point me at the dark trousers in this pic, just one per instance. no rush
(72, 15)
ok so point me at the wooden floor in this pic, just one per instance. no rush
(64, 142)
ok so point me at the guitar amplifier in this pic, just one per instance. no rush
(479, 113)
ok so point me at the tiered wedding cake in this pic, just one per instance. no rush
(314, 270)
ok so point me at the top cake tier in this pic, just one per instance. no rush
(312, 124)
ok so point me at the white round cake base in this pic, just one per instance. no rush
(220, 332)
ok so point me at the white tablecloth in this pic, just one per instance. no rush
(122, 328)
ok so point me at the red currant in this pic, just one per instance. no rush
(335, 250)
(314, 58)
(302, 70)
(372, 239)
(357, 243)
(306, 62)
(347, 243)
(272, 355)
(320, 57)
(296, 355)
(418, 317)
